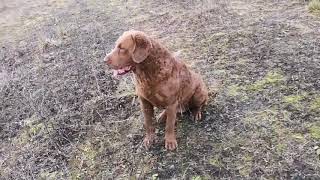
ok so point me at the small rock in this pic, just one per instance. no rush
(130, 136)
(48, 58)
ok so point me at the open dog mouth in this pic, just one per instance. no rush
(122, 71)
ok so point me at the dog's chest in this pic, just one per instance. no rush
(154, 96)
(159, 95)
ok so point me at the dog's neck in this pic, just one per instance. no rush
(157, 66)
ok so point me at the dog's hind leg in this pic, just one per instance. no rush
(198, 100)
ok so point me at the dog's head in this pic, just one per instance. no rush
(131, 48)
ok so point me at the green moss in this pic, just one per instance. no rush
(83, 163)
(315, 104)
(214, 161)
(89, 153)
(246, 165)
(233, 90)
(280, 147)
(294, 100)
(35, 129)
(314, 6)
(237, 91)
(271, 79)
(264, 116)
(315, 131)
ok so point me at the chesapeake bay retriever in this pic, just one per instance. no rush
(162, 80)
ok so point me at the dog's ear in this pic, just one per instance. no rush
(142, 46)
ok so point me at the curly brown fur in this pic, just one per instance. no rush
(162, 81)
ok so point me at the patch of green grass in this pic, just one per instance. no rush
(315, 104)
(261, 117)
(314, 6)
(271, 79)
(83, 163)
(214, 161)
(294, 100)
(233, 90)
(237, 91)
(315, 131)
(280, 147)
(246, 165)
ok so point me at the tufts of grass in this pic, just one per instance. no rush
(314, 6)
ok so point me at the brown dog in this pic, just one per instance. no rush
(162, 81)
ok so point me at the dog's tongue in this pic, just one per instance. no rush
(121, 71)
(118, 72)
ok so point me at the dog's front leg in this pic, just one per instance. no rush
(170, 135)
(147, 109)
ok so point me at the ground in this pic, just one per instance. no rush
(63, 115)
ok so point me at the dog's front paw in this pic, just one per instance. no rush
(148, 140)
(197, 116)
(171, 142)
